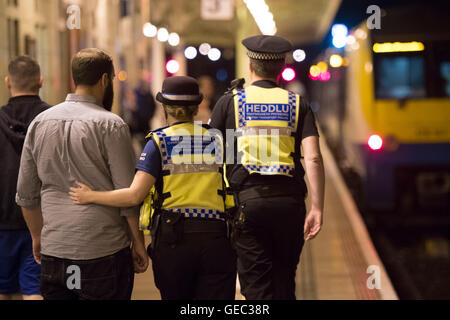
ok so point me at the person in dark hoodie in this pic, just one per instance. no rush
(19, 273)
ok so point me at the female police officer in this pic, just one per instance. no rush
(192, 257)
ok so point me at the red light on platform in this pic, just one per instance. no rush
(375, 142)
(172, 66)
(325, 76)
(288, 74)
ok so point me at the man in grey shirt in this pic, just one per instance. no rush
(80, 140)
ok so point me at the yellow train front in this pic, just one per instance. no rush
(384, 106)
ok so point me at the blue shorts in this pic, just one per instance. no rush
(19, 273)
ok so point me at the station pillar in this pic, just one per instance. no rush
(158, 76)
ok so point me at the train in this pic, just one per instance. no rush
(384, 109)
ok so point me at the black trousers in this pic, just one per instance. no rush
(197, 266)
(268, 243)
(107, 278)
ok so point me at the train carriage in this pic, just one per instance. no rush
(386, 111)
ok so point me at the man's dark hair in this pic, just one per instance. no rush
(267, 68)
(25, 74)
(89, 65)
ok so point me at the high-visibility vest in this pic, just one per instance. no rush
(267, 120)
(191, 182)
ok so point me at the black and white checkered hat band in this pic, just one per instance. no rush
(266, 56)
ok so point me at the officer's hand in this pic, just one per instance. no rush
(140, 257)
(80, 195)
(313, 224)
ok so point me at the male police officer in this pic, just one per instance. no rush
(267, 177)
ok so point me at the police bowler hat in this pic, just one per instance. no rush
(180, 91)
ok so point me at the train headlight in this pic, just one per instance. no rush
(375, 142)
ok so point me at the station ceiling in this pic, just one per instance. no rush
(300, 21)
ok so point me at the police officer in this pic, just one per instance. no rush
(271, 125)
(180, 177)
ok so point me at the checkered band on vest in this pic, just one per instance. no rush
(162, 143)
(266, 56)
(270, 169)
(199, 213)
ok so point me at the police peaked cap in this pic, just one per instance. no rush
(180, 91)
(267, 47)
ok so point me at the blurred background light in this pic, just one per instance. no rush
(339, 31)
(360, 34)
(314, 71)
(325, 75)
(190, 53)
(299, 55)
(174, 39)
(222, 74)
(375, 142)
(163, 35)
(339, 42)
(149, 30)
(351, 40)
(322, 66)
(214, 54)
(172, 66)
(288, 74)
(122, 76)
(336, 61)
(204, 48)
(398, 47)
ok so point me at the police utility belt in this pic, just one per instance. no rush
(271, 191)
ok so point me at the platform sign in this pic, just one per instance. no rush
(217, 9)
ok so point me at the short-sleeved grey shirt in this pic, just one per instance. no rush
(77, 140)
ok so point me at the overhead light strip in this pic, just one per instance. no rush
(262, 15)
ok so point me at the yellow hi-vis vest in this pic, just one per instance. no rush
(266, 122)
(192, 182)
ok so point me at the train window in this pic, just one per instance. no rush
(442, 56)
(445, 74)
(400, 76)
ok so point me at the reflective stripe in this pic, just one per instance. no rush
(283, 169)
(199, 213)
(162, 144)
(252, 131)
(293, 104)
(241, 101)
(179, 97)
(190, 168)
